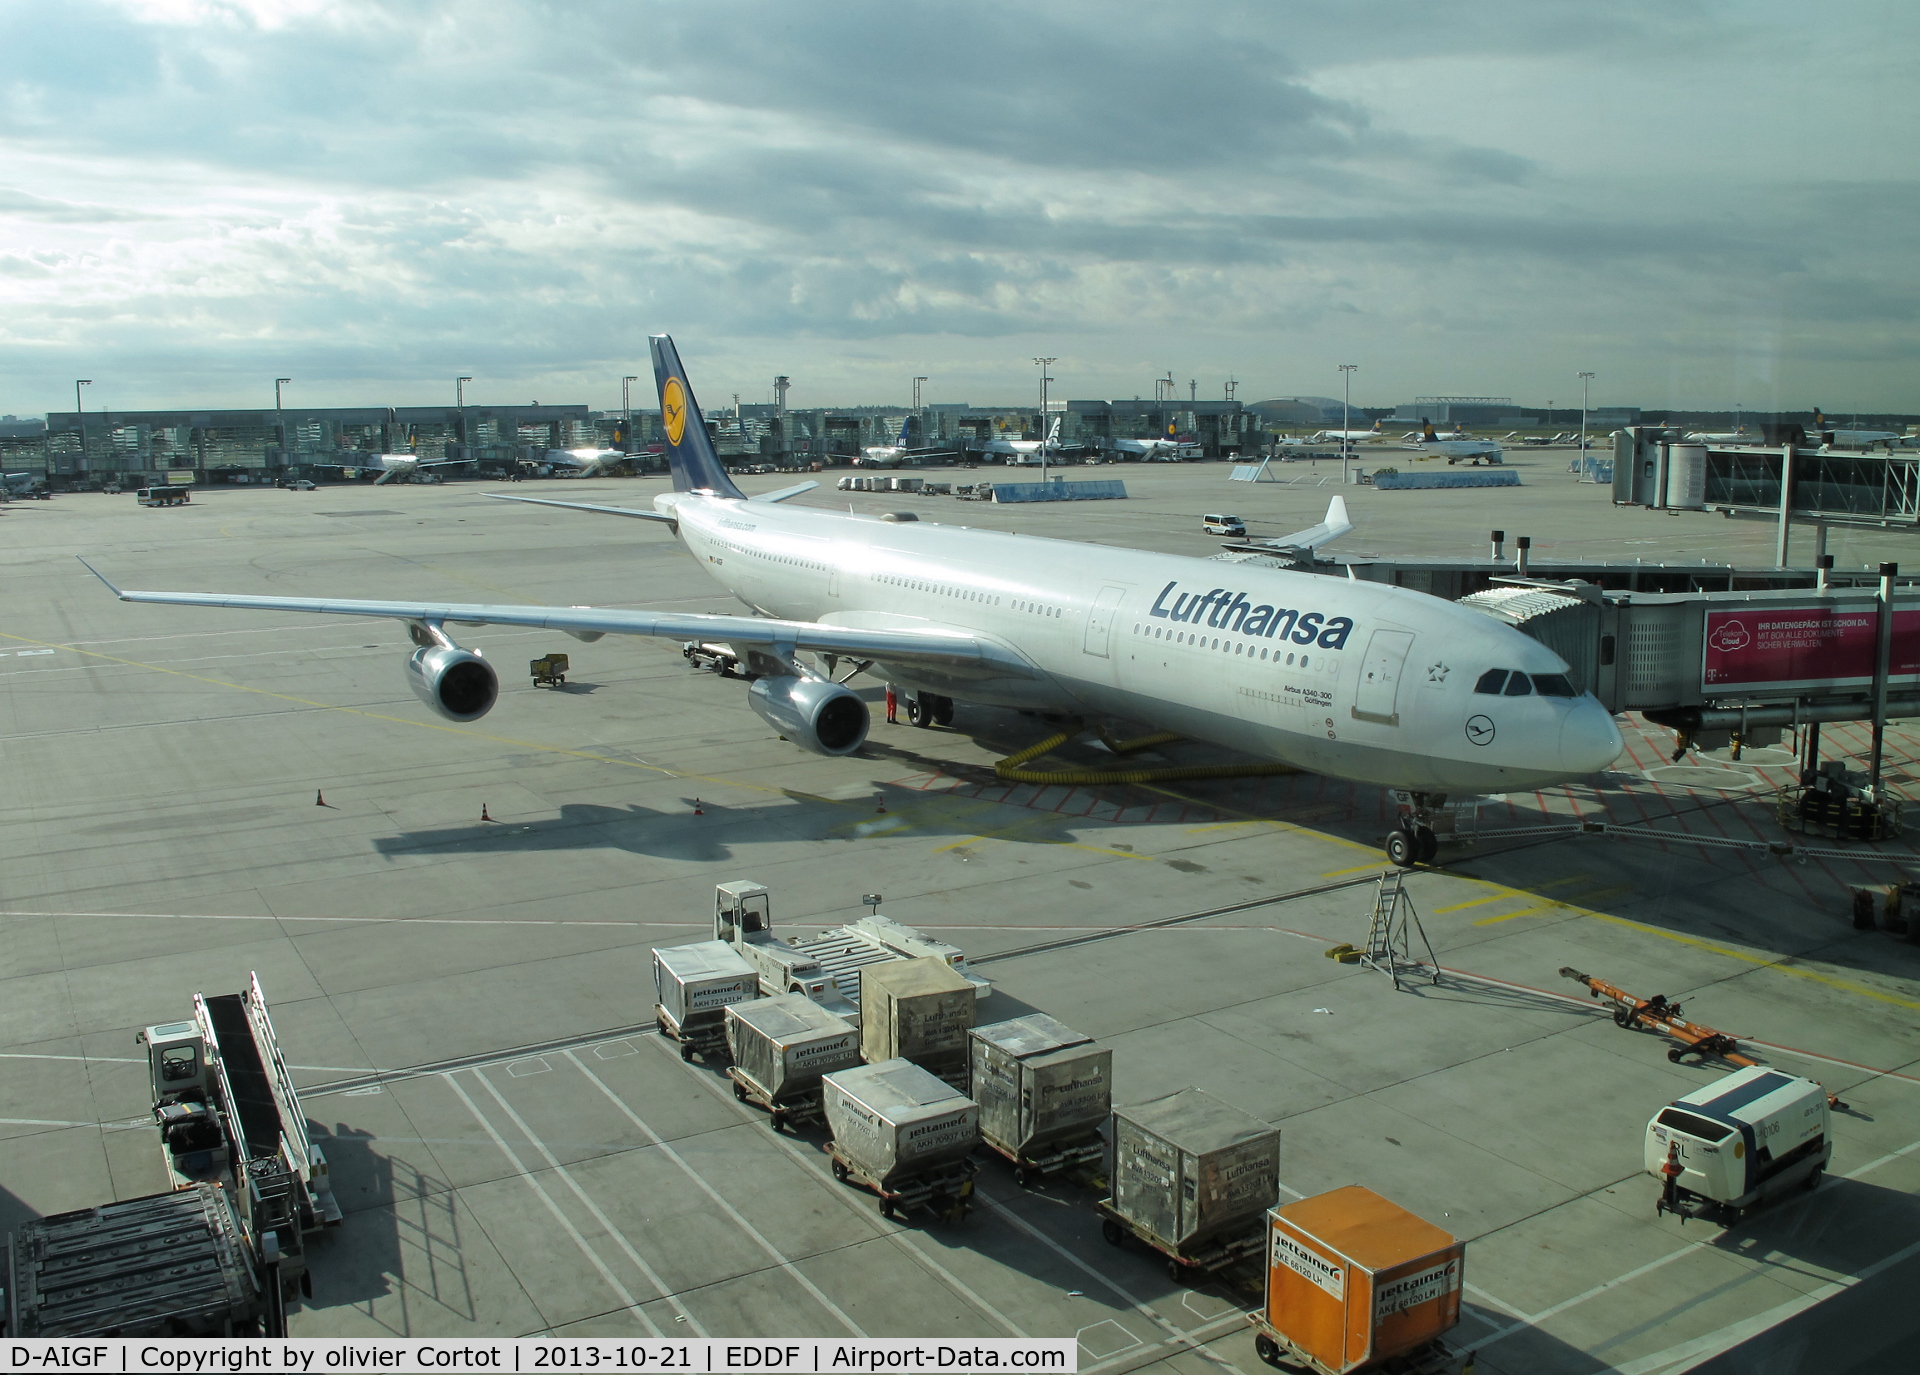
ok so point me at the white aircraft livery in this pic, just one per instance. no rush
(1352, 679)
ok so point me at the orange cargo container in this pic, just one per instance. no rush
(1353, 1280)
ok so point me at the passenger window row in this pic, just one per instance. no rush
(1502, 682)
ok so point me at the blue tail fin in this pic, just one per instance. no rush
(696, 467)
(905, 421)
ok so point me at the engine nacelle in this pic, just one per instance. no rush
(455, 682)
(813, 713)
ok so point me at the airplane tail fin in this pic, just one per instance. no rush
(1819, 419)
(1053, 433)
(1426, 430)
(905, 421)
(690, 453)
(1326, 532)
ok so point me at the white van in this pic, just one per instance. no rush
(1224, 525)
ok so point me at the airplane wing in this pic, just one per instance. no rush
(785, 493)
(946, 649)
(628, 511)
(1314, 536)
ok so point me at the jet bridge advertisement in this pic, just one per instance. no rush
(1804, 647)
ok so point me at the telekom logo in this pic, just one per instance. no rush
(1729, 636)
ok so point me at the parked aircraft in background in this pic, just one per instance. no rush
(586, 462)
(1856, 439)
(391, 467)
(1356, 680)
(894, 454)
(1017, 450)
(1477, 450)
(1154, 450)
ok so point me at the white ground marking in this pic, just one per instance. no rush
(1179, 1337)
(1701, 1348)
(613, 1281)
(1536, 1319)
(618, 1237)
(812, 1165)
(759, 1238)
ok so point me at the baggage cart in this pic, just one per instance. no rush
(1194, 1263)
(1044, 1092)
(549, 670)
(1356, 1283)
(946, 1190)
(781, 1047)
(920, 1010)
(693, 986)
(1272, 1346)
(903, 1135)
(1189, 1167)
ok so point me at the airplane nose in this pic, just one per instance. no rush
(1589, 741)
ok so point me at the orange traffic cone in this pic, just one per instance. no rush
(696, 808)
(883, 804)
(318, 799)
(483, 812)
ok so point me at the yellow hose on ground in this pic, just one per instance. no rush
(1010, 768)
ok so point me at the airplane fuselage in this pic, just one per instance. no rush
(1358, 680)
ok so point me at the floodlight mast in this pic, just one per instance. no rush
(1044, 363)
(1347, 370)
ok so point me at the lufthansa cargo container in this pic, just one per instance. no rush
(784, 1045)
(1354, 1280)
(693, 984)
(1745, 1138)
(918, 1010)
(1039, 1084)
(1188, 1167)
(893, 1120)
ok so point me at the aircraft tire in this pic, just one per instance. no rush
(1426, 844)
(943, 711)
(920, 710)
(1400, 849)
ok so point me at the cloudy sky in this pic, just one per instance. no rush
(1702, 201)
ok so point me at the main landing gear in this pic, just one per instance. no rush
(1412, 840)
(929, 709)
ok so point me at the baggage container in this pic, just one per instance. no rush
(893, 1120)
(1189, 1167)
(1044, 1090)
(693, 986)
(1744, 1139)
(918, 1010)
(1353, 1281)
(782, 1046)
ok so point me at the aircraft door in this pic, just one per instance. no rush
(1099, 640)
(1380, 673)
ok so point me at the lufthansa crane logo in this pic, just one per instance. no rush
(673, 409)
(1479, 730)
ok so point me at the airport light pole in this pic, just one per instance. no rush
(626, 407)
(80, 415)
(1585, 378)
(279, 420)
(460, 405)
(1044, 363)
(1347, 370)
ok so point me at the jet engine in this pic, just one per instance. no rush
(818, 715)
(455, 682)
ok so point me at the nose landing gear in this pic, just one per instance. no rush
(1412, 840)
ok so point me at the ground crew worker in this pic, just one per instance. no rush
(1670, 1190)
(892, 702)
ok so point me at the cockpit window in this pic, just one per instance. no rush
(1553, 685)
(1491, 682)
(1517, 686)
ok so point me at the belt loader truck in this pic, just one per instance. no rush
(825, 967)
(229, 1115)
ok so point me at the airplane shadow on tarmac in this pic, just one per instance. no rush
(579, 826)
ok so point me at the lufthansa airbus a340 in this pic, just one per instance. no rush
(1355, 680)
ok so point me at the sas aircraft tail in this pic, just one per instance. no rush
(690, 454)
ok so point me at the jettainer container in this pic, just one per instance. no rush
(1354, 1281)
(693, 986)
(1188, 1167)
(783, 1046)
(1043, 1088)
(1744, 1139)
(918, 1010)
(893, 1120)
